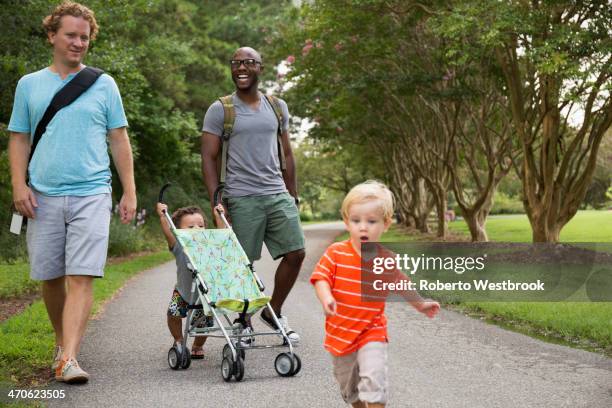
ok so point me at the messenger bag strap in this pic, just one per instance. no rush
(68, 94)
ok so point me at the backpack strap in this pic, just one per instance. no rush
(68, 94)
(278, 111)
(229, 117)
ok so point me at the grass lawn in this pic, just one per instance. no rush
(26, 339)
(394, 234)
(586, 226)
(582, 324)
(586, 325)
(15, 280)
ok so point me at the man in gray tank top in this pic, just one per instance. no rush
(260, 198)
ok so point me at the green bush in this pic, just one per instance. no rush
(505, 204)
(127, 239)
(320, 216)
(15, 280)
(12, 247)
(306, 216)
(329, 215)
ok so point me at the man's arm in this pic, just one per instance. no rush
(121, 151)
(290, 175)
(209, 149)
(19, 153)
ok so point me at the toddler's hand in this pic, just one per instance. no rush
(428, 308)
(219, 209)
(329, 306)
(160, 208)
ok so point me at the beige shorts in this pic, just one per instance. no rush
(362, 375)
(69, 236)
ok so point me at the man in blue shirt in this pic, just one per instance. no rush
(68, 201)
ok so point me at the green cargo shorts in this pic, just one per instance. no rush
(273, 219)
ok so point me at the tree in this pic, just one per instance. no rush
(379, 71)
(556, 64)
(339, 85)
(328, 169)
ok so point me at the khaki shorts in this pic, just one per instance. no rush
(362, 375)
(69, 236)
(273, 219)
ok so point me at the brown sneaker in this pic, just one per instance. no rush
(70, 372)
(57, 357)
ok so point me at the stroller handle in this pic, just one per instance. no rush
(217, 194)
(162, 191)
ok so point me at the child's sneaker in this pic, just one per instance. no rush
(70, 372)
(246, 331)
(246, 341)
(57, 357)
(269, 321)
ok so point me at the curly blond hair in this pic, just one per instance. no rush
(52, 22)
(368, 191)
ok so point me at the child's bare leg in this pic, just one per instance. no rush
(199, 341)
(372, 405)
(176, 328)
(358, 404)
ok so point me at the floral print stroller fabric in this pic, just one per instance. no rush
(219, 259)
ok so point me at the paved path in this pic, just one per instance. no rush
(451, 361)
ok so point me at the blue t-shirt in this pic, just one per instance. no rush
(72, 155)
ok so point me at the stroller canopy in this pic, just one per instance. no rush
(223, 265)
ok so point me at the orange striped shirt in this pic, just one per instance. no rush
(356, 322)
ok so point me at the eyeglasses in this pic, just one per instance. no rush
(249, 63)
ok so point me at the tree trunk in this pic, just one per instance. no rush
(423, 204)
(441, 202)
(476, 223)
(408, 221)
(421, 222)
(543, 230)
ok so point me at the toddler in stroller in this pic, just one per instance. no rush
(183, 218)
(223, 282)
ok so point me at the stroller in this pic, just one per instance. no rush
(225, 283)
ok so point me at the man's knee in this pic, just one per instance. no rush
(54, 284)
(295, 258)
(80, 282)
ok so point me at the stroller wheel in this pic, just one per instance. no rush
(239, 369)
(174, 358)
(240, 351)
(227, 352)
(186, 359)
(283, 364)
(226, 369)
(297, 364)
